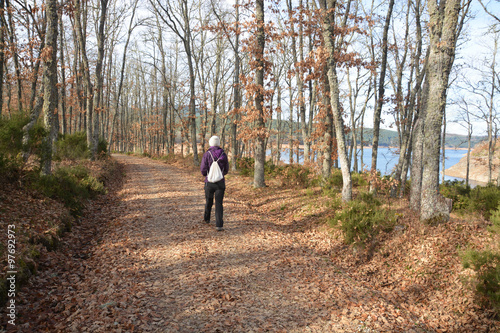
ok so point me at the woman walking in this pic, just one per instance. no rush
(214, 154)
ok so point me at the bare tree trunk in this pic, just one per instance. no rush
(469, 135)
(406, 115)
(491, 146)
(381, 91)
(2, 53)
(99, 77)
(180, 25)
(86, 74)
(63, 77)
(443, 148)
(290, 121)
(443, 36)
(279, 136)
(416, 166)
(300, 84)
(328, 7)
(236, 90)
(328, 137)
(122, 73)
(15, 56)
(50, 99)
(260, 149)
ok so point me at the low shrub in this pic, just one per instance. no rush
(495, 221)
(271, 169)
(11, 133)
(481, 199)
(11, 144)
(245, 166)
(335, 179)
(359, 179)
(102, 148)
(72, 146)
(455, 190)
(10, 167)
(486, 264)
(369, 198)
(484, 199)
(360, 221)
(295, 175)
(71, 186)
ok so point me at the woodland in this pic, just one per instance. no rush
(95, 93)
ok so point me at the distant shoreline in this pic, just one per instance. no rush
(478, 167)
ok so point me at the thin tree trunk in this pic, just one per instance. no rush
(381, 91)
(260, 149)
(2, 53)
(236, 90)
(122, 74)
(491, 145)
(467, 169)
(328, 7)
(63, 77)
(328, 137)
(50, 99)
(290, 121)
(15, 56)
(443, 148)
(86, 75)
(99, 77)
(279, 136)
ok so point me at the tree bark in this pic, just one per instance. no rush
(2, 47)
(328, 8)
(50, 99)
(236, 91)
(491, 146)
(328, 137)
(63, 77)
(260, 150)
(122, 74)
(15, 56)
(381, 91)
(99, 77)
(86, 75)
(443, 36)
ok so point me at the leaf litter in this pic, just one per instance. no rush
(142, 260)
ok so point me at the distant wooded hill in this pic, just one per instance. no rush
(387, 137)
(390, 138)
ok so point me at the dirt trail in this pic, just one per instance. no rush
(159, 268)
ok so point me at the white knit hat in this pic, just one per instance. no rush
(214, 141)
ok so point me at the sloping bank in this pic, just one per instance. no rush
(478, 169)
(35, 214)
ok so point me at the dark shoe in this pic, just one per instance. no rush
(207, 222)
(220, 229)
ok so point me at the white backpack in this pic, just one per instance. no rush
(215, 173)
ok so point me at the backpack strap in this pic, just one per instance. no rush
(213, 159)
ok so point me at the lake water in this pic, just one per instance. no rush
(388, 158)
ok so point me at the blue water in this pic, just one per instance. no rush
(387, 159)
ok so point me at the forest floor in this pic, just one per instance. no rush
(142, 260)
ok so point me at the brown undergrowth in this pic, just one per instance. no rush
(43, 227)
(415, 267)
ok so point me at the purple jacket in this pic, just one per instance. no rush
(219, 156)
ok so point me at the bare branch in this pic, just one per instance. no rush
(488, 12)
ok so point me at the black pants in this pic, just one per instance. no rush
(217, 190)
